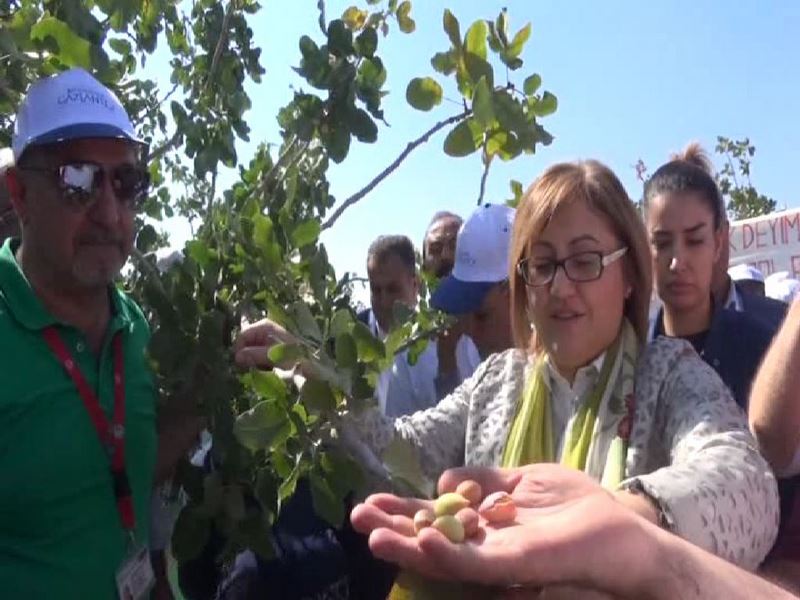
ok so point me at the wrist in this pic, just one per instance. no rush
(641, 504)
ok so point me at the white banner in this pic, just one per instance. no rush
(770, 243)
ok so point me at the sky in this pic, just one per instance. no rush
(634, 80)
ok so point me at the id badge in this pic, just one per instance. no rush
(135, 577)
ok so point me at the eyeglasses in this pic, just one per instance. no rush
(580, 267)
(80, 182)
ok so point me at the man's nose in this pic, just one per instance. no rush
(106, 209)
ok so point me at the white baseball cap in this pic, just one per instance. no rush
(68, 106)
(745, 272)
(785, 290)
(482, 249)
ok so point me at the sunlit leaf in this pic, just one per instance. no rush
(423, 93)
(475, 40)
(463, 139)
(355, 18)
(451, 28)
(532, 84)
(73, 50)
(482, 104)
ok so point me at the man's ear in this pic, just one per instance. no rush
(16, 192)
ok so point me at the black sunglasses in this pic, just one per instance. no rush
(80, 182)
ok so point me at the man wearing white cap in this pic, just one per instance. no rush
(77, 403)
(477, 289)
(748, 279)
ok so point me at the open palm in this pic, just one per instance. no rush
(568, 529)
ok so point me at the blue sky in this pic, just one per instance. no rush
(633, 79)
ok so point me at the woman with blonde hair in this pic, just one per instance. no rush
(655, 425)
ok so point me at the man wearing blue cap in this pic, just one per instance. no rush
(77, 404)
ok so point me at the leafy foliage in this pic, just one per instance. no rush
(256, 248)
(742, 199)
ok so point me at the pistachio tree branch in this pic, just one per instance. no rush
(484, 177)
(221, 42)
(413, 145)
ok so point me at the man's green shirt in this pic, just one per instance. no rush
(60, 532)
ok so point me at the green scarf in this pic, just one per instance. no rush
(605, 413)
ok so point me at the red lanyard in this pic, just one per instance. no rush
(111, 435)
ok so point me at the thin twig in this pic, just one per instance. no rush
(278, 163)
(221, 42)
(165, 147)
(484, 177)
(391, 168)
(212, 193)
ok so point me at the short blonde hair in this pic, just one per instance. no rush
(595, 184)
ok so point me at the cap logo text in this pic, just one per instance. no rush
(84, 96)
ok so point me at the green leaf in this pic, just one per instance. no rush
(73, 50)
(547, 105)
(317, 396)
(475, 40)
(265, 426)
(268, 385)
(404, 20)
(494, 40)
(401, 460)
(482, 105)
(371, 73)
(146, 239)
(346, 351)
(336, 141)
(370, 348)
(343, 473)
(341, 322)
(254, 531)
(326, 504)
(509, 112)
(518, 43)
(306, 323)
(362, 126)
(355, 18)
(306, 233)
(340, 38)
(478, 67)
(367, 42)
(451, 28)
(532, 84)
(423, 93)
(463, 139)
(496, 142)
(120, 46)
(501, 25)
(190, 534)
(285, 355)
(445, 62)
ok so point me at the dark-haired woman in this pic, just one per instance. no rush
(684, 213)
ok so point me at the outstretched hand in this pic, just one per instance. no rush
(568, 530)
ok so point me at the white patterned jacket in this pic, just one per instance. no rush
(689, 449)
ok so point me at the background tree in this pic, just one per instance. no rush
(256, 248)
(741, 198)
